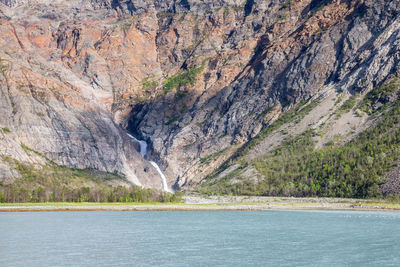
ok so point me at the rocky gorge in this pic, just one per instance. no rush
(215, 88)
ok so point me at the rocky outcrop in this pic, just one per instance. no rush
(392, 186)
(300, 48)
(195, 79)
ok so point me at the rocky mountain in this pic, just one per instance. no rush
(213, 87)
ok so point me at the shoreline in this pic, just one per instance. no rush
(192, 209)
(233, 208)
(194, 203)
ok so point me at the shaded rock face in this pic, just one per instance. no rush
(12, 3)
(93, 69)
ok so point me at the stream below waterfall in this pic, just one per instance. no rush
(143, 152)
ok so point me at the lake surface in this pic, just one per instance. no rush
(200, 238)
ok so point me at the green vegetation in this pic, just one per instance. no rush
(182, 18)
(227, 60)
(282, 18)
(3, 67)
(55, 183)
(347, 105)
(124, 24)
(26, 148)
(338, 100)
(148, 84)
(380, 95)
(286, 4)
(351, 170)
(294, 115)
(192, 47)
(182, 79)
(210, 158)
(297, 169)
(226, 13)
(44, 183)
(141, 99)
(5, 130)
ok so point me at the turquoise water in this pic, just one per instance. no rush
(200, 238)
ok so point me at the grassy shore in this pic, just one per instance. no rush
(214, 203)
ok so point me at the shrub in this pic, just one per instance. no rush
(379, 94)
(60, 184)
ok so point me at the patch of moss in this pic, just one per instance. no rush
(3, 67)
(5, 130)
(26, 148)
(148, 84)
(187, 77)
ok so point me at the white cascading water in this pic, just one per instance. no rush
(163, 179)
(143, 152)
(143, 145)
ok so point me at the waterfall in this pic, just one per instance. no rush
(143, 152)
(143, 145)
(163, 179)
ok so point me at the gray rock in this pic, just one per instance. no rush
(355, 54)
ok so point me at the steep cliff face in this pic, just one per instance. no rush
(291, 51)
(49, 110)
(196, 79)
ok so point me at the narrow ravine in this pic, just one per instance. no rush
(143, 152)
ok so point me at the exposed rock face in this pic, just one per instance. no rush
(91, 68)
(49, 108)
(350, 45)
(12, 3)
